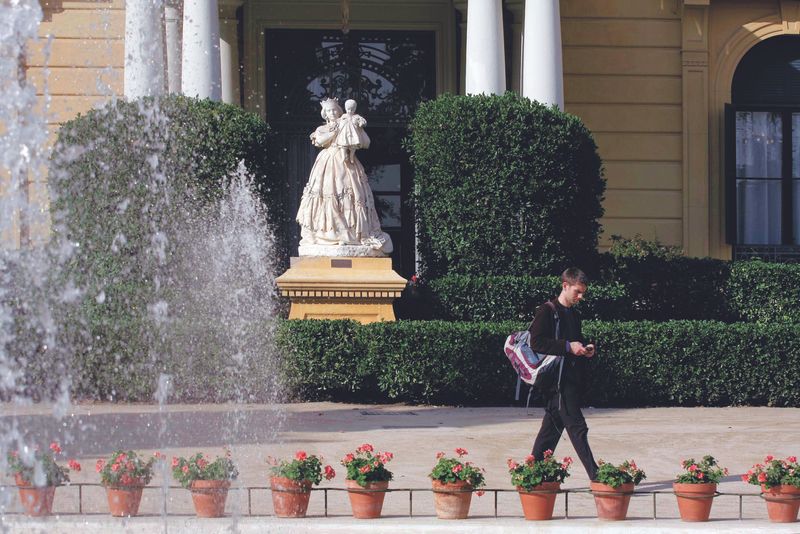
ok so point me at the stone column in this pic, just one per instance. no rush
(229, 51)
(542, 69)
(200, 72)
(144, 48)
(173, 22)
(485, 62)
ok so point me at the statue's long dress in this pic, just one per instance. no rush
(337, 207)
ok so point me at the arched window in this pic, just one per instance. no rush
(763, 151)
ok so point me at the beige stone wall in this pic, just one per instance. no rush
(77, 63)
(649, 77)
(622, 76)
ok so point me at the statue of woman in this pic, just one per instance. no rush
(337, 207)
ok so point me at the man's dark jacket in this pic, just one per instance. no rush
(542, 330)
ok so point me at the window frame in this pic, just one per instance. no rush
(787, 207)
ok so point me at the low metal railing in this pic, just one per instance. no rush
(653, 494)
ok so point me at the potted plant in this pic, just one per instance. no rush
(453, 483)
(696, 487)
(208, 481)
(37, 476)
(291, 482)
(612, 488)
(125, 474)
(780, 487)
(538, 483)
(367, 480)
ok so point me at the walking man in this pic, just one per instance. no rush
(563, 408)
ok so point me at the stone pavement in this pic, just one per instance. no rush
(657, 438)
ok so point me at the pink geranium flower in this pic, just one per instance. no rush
(329, 472)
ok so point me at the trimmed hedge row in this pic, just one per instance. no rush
(686, 289)
(765, 292)
(502, 298)
(674, 363)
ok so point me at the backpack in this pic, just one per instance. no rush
(540, 371)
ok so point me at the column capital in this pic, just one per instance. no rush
(694, 27)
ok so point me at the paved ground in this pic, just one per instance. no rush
(657, 438)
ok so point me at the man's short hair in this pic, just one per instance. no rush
(573, 276)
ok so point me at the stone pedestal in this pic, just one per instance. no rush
(322, 287)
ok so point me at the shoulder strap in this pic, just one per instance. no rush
(556, 319)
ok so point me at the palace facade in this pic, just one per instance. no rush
(694, 104)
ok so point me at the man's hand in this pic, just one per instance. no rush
(577, 348)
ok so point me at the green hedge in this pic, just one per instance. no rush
(678, 288)
(663, 284)
(765, 292)
(674, 363)
(128, 181)
(532, 170)
(502, 298)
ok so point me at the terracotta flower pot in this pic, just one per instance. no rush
(366, 502)
(452, 499)
(123, 501)
(209, 497)
(695, 500)
(783, 502)
(290, 497)
(36, 501)
(538, 504)
(612, 503)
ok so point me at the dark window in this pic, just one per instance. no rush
(763, 152)
(388, 73)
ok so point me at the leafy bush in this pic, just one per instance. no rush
(532, 169)
(451, 470)
(616, 475)
(363, 466)
(198, 467)
(127, 180)
(706, 471)
(662, 284)
(302, 468)
(673, 363)
(532, 473)
(126, 468)
(690, 363)
(501, 298)
(765, 292)
(318, 363)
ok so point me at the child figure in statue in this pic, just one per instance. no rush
(351, 130)
(337, 207)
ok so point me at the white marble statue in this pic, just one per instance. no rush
(337, 212)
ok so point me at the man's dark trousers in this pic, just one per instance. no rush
(568, 416)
